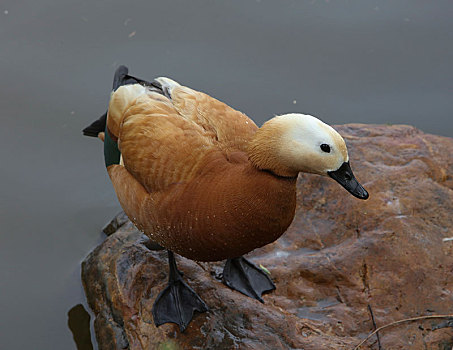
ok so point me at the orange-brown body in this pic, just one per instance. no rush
(227, 210)
(186, 178)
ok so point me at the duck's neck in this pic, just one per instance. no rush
(266, 152)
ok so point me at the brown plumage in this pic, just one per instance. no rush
(187, 180)
(203, 181)
(200, 178)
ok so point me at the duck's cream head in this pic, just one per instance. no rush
(293, 143)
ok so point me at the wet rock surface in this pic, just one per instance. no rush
(340, 258)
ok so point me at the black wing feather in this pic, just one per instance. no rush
(120, 78)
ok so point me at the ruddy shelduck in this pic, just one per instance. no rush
(203, 181)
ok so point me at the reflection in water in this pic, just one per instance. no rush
(317, 312)
(79, 324)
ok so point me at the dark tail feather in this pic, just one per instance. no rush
(96, 127)
(121, 78)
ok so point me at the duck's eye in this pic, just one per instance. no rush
(325, 148)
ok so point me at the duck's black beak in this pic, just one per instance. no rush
(345, 178)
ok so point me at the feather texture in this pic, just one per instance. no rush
(187, 181)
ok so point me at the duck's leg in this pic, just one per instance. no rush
(245, 277)
(177, 302)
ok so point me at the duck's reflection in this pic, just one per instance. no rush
(79, 324)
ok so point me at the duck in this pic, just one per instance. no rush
(202, 180)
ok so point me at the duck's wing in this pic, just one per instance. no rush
(158, 146)
(167, 131)
(120, 78)
(232, 129)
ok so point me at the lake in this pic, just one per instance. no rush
(343, 61)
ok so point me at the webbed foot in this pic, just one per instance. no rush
(245, 277)
(177, 302)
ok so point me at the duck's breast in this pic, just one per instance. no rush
(228, 210)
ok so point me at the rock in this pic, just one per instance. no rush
(340, 258)
(119, 220)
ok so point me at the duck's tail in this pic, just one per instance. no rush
(120, 78)
(99, 127)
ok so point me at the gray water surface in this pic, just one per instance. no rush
(343, 61)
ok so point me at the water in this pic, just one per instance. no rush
(344, 61)
(318, 312)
